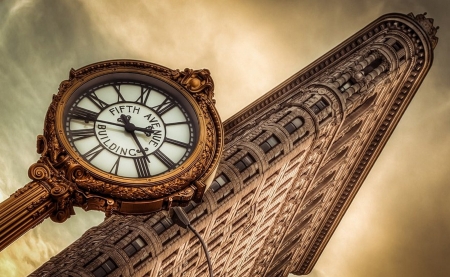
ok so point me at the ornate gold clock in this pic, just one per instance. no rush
(129, 128)
(121, 136)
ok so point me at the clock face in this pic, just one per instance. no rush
(130, 125)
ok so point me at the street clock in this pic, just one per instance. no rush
(123, 137)
(129, 137)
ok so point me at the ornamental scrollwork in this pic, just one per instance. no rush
(195, 81)
(39, 171)
(59, 190)
(53, 146)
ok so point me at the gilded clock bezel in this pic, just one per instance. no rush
(129, 181)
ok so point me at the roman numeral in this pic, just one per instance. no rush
(141, 167)
(119, 95)
(176, 123)
(164, 159)
(177, 142)
(97, 101)
(145, 93)
(83, 114)
(165, 106)
(115, 167)
(82, 134)
(91, 154)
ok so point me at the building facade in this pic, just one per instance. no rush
(293, 161)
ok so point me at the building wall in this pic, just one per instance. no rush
(293, 161)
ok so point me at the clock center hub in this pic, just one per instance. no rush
(122, 126)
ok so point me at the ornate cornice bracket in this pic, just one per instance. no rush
(427, 25)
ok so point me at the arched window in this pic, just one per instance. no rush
(347, 84)
(219, 182)
(294, 125)
(269, 143)
(372, 66)
(245, 162)
(134, 246)
(162, 225)
(319, 105)
(105, 268)
(397, 46)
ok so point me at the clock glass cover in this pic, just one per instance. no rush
(130, 125)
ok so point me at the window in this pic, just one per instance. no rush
(372, 66)
(320, 105)
(245, 162)
(294, 125)
(219, 182)
(162, 225)
(104, 269)
(397, 46)
(270, 143)
(134, 246)
(347, 85)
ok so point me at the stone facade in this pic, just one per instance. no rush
(293, 161)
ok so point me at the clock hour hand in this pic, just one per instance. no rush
(129, 127)
(147, 132)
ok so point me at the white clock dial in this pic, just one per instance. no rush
(131, 128)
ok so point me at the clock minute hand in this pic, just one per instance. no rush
(129, 127)
(145, 130)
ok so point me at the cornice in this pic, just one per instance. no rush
(333, 57)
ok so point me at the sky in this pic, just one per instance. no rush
(399, 222)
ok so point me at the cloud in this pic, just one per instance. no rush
(397, 224)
